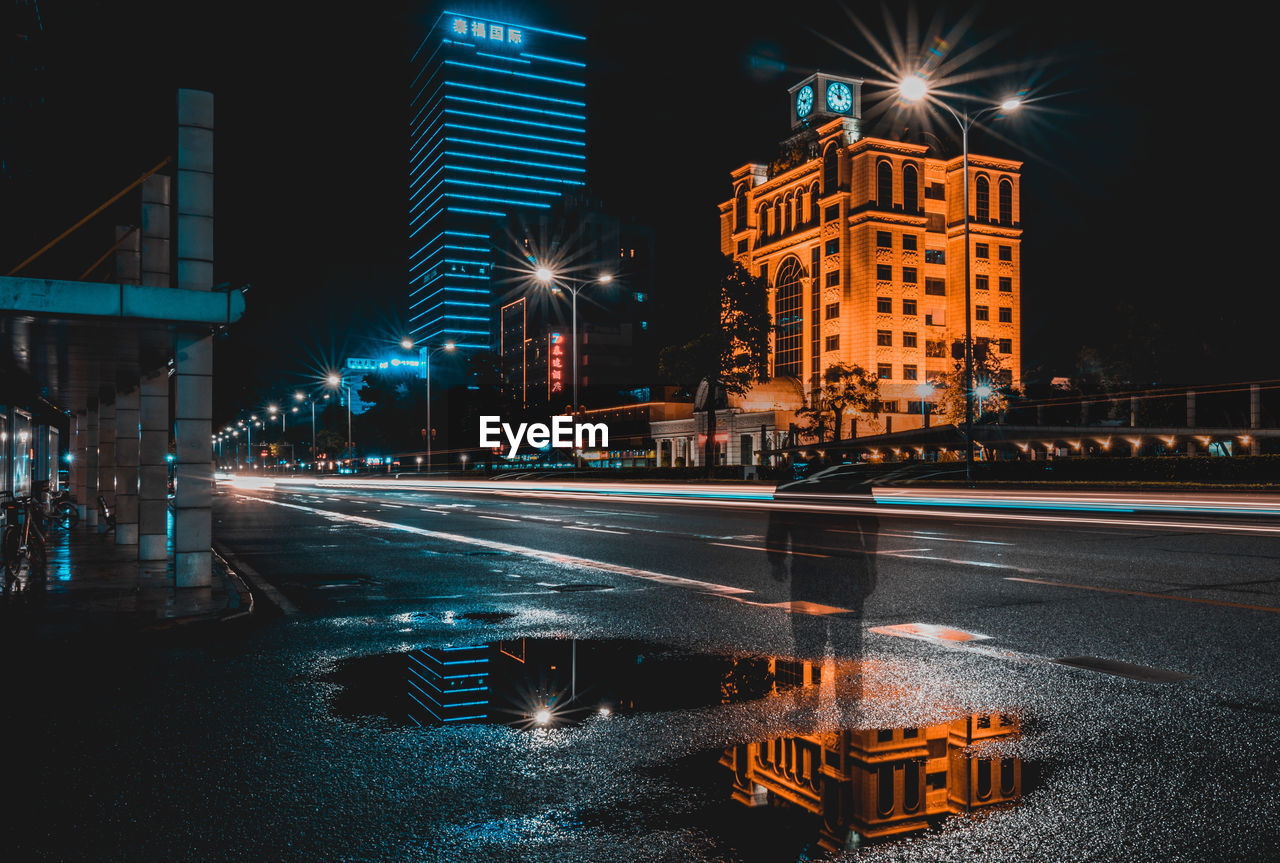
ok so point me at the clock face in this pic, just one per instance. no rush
(804, 101)
(839, 97)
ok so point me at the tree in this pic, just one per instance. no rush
(733, 349)
(848, 388)
(990, 388)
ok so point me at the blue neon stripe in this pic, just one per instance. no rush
(534, 204)
(515, 149)
(522, 190)
(475, 212)
(514, 73)
(563, 181)
(556, 60)
(503, 58)
(518, 120)
(504, 133)
(507, 106)
(491, 90)
(579, 169)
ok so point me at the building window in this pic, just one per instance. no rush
(644, 325)
(833, 310)
(1006, 253)
(1006, 201)
(935, 287)
(740, 209)
(935, 348)
(833, 278)
(742, 247)
(909, 373)
(1006, 284)
(833, 212)
(908, 340)
(814, 212)
(884, 185)
(788, 318)
(936, 192)
(884, 371)
(833, 343)
(935, 256)
(1006, 346)
(981, 251)
(909, 242)
(982, 283)
(983, 204)
(915, 408)
(981, 313)
(833, 247)
(830, 170)
(884, 273)
(910, 189)
(884, 305)
(909, 275)
(640, 298)
(1006, 315)
(762, 224)
(884, 240)
(908, 307)
(889, 406)
(884, 338)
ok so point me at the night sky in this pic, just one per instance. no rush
(1141, 194)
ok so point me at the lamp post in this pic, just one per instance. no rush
(913, 88)
(447, 346)
(335, 382)
(548, 277)
(298, 396)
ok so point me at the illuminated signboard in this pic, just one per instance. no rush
(487, 32)
(367, 365)
(555, 363)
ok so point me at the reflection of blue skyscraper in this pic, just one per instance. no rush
(497, 125)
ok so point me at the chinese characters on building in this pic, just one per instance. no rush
(555, 363)
(488, 32)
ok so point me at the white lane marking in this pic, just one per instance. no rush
(762, 548)
(436, 511)
(982, 563)
(392, 506)
(623, 514)
(932, 537)
(497, 518)
(536, 553)
(594, 529)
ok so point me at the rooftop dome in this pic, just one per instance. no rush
(775, 394)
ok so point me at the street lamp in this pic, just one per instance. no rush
(335, 382)
(549, 278)
(447, 346)
(914, 88)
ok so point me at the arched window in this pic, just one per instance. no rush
(815, 210)
(984, 778)
(1008, 775)
(830, 170)
(910, 189)
(1006, 201)
(884, 790)
(800, 214)
(884, 185)
(763, 227)
(740, 209)
(911, 787)
(777, 216)
(982, 199)
(788, 318)
(787, 223)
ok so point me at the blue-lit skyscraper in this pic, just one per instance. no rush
(497, 125)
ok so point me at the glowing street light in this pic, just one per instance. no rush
(406, 343)
(549, 278)
(447, 346)
(915, 89)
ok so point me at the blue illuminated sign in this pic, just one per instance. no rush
(489, 32)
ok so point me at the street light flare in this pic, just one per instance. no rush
(913, 88)
(544, 275)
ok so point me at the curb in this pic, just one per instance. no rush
(247, 575)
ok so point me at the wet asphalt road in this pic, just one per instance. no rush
(237, 744)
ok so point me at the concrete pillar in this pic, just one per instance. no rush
(193, 352)
(153, 467)
(107, 452)
(76, 446)
(128, 255)
(1191, 409)
(155, 231)
(90, 500)
(127, 468)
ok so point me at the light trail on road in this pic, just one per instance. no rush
(969, 504)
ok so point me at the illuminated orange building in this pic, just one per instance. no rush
(869, 784)
(861, 240)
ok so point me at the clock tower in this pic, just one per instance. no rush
(821, 98)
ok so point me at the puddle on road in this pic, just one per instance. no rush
(790, 797)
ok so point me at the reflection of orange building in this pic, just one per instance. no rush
(876, 783)
(861, 240)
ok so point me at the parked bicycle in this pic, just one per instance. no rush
(59, 509)
(22, 546)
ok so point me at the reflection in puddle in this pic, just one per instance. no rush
(832, 784)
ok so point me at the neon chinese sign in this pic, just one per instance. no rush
(555, 363)
(487, 31)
